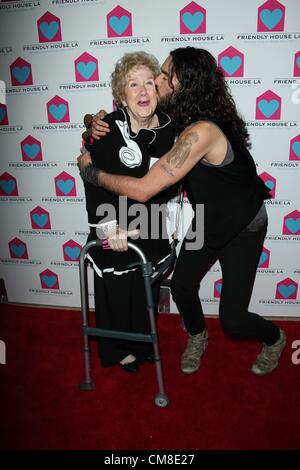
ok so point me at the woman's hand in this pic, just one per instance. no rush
(117, 241)
(99, 127)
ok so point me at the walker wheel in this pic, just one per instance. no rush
(161, 400)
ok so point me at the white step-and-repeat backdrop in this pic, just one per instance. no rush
(56, 58)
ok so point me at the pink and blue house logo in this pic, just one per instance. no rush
(58, 110)
(49, 28)
(192, 19)
(8, 185)
(86, 68)
(264, 259)
(231, 61)
(297, 64)
(271, 17)
(218, 288)
(40, 218)
(3, 115)
(286, 289)
(18, 249)
(291, 223)
(31, 149)
(71, 251)
(65, 185)
(270, 182)
(119, 22)
(21, 72)
(49, 279)
(268, 106)
(295, 148)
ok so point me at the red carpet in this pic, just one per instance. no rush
(223, 406)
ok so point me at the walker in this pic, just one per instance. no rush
(161, 398)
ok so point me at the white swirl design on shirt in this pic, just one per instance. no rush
(130, 156)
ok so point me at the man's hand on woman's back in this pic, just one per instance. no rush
(99, 127)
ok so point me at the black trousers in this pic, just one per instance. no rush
(239, 260)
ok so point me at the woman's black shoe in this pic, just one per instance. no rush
(130, 366)
(150, 358)
(147, 359)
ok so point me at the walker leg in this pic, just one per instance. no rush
(161, 398)
(87, 384)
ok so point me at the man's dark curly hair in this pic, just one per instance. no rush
(204, 93)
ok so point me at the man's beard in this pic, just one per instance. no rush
(165, 103)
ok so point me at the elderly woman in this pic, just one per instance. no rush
(139, 135)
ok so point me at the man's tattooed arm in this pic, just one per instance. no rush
(169, 169)
(180, 152)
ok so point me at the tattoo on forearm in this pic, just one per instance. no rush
(90, 174)
(179, 154)
(166, 168)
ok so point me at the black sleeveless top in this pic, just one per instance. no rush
(232, 195)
